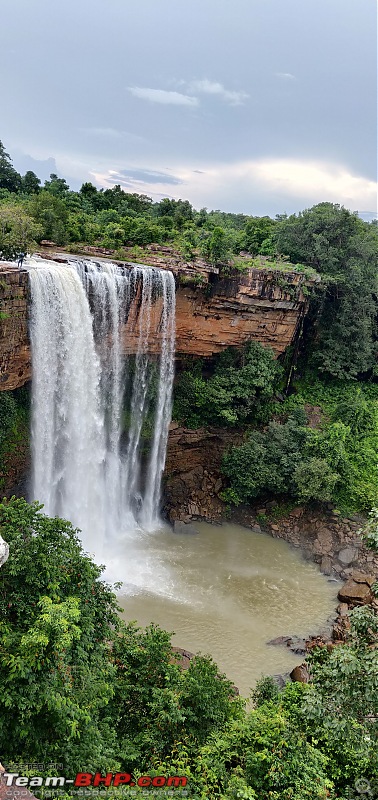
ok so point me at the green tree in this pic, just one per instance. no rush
(9, 177)
(56, 186)
(234, 395)
(215, 246)
(340, 710)
(257, 231)
(344, 250)
(51, 212)
(18, 231)
(57, 621)
(30, 184)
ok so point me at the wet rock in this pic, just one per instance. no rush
(281, 679)
(355, 593)
(361, 577)
(300, 674)
(297, 646)
(185, 527)
(279, 640)
(326, 565)
(256, 528)
(347, 556)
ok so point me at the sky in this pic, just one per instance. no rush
(253, 106)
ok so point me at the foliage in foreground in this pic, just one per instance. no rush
(81, 687)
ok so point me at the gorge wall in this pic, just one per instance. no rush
(212, 313)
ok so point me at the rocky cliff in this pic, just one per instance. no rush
(15, 365)
(212, 313)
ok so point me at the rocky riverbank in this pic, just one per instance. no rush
(193, 491)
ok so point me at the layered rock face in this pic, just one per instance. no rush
(260, 305)
(231, 311)
(15, 363)
(192, 479)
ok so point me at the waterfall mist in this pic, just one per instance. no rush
(100, 418)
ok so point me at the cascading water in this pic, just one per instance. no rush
(88, 465)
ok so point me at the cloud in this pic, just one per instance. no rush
(164, 97)
(213, 87)
(43, 167)
(260, 186)
(286, 76)
(146, 176)
(109, 133)
(318, 180)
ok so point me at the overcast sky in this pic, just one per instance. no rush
(254, 106)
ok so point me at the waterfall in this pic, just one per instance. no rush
(93, 407)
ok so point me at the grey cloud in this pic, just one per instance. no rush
(285, 76)
(149, 176)
(163, 97)
(234, 98)
(42, 167)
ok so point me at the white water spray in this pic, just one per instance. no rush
(88, 466)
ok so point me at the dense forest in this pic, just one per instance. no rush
(88, 690)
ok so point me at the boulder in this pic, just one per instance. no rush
(296, 512)
(300, 674)
(324, 542)
(279, 640)
(182, 657)
(361, 577)
(355, 593)
(255, 528)
(326, 565)
(347, 555)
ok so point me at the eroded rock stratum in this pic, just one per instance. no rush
(258, 305)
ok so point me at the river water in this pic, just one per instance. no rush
(226, 591)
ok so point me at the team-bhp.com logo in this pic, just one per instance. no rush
(90, 779)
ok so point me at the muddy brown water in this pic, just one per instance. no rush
(226, 591)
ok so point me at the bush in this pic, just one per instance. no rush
(242, 383)
(268, 460)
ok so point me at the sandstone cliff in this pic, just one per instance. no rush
(211, 314)
(15, 366)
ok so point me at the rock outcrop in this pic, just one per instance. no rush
(15, 362)
(192, 481)
(212, 313)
